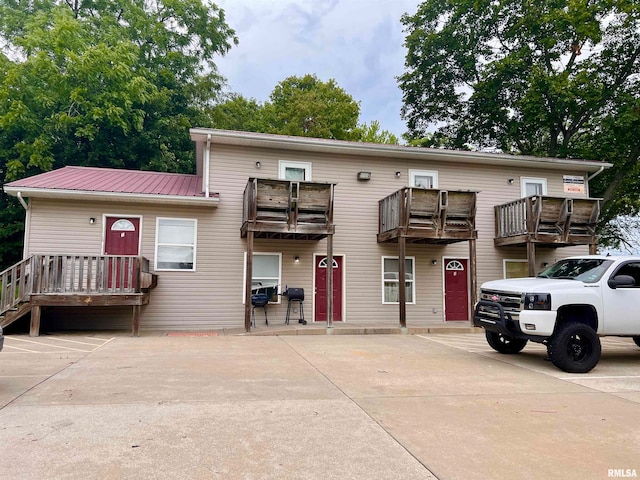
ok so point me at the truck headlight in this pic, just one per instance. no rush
(537, 301)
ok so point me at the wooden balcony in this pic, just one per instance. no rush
(284, 209)
(74, 280)
(427, 216)
(547, 221)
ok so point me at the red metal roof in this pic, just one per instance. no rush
(91, 179)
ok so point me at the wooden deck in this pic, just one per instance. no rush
(547, 221)
(74, 281)
(284, 209)
(427, 216)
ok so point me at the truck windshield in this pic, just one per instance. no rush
(587, 270)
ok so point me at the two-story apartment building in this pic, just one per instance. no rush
(104, 238)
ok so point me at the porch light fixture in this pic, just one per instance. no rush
(364, 176)
(296, 259)
(510, 181)
(545, 264)
(398, 174)
(434, 262)
(92, 220)
(258, 165)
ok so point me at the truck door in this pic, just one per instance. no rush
(621, 305)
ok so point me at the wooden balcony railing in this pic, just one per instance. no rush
(287, 209)
(427, 216)
(90, 274)
(546, 220)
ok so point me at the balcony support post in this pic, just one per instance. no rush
(248, 281)
(473, 275)
(330, 281)
(531, 258)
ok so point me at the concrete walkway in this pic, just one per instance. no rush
(305, 407)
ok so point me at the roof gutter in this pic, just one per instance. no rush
(113, 196)
(24, 204)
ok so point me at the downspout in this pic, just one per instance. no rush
(595, 174)
(206, 167)
(27, 225)
(22, 202)
(591, 178)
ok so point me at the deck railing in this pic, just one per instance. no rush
(436, 213)
(558, 219)
(90, 274)
(287, 207)
(16, 284)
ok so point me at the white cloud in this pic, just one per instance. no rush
(356, 42)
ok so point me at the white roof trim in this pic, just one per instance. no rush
(283, 142)
(112, 196)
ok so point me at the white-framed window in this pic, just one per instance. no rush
(176, 243)
(288, 170)
(390, 279)
(266, 275)
(515, 268)
(533, 186)
(423, 178)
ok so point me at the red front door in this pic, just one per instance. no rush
(122, 237)
(320, 301)
(456, 290)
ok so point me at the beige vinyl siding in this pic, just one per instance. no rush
(356, 220)
(211, 297)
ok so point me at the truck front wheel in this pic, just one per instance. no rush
(574, 348)
(504, 343)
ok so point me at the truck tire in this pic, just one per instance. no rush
(574, 348)
(504, 343)
(636, 340)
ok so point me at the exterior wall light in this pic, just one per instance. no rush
(258, 165)
(398, 174)
(92, 220)
(296, 259)
(434, 262)
(510, 181)
(364, 176)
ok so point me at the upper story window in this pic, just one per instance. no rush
(297, 171)
(176, 244)
(533, 186)
(423, 178)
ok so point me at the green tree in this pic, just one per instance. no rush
(308, 107)
(237, 113)
(113, 83)
(535, 78)
(373, 133)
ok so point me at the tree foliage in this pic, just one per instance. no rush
(113, 83)
(300, 106)
(549, 78)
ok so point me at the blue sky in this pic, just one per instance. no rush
(356, 42)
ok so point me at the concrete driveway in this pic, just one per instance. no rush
(311, 407)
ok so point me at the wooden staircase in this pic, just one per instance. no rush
(17, 286)
(74, 280)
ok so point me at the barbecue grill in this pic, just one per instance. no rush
(260, 300)
(295, 295)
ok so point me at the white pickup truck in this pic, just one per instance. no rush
(567, 307)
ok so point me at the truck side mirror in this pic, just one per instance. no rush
(621, 281)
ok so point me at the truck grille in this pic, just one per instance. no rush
(510, 302)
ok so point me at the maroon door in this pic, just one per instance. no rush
(122, 237)
(320, 301)
(456, 290)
